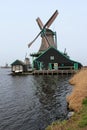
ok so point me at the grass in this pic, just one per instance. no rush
(79, 92)
(83, 121)
(76, 122)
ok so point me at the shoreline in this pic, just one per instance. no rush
(75, 103)
(79, 82)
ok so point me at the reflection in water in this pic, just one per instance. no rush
(51, 92)
(32, 102)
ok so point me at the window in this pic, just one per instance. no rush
(51, 57)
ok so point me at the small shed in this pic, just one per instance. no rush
(18, 66)
(54, 59)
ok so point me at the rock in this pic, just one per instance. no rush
(70, 114)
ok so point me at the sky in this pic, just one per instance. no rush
(18, 27)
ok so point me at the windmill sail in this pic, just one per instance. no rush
(47, 35)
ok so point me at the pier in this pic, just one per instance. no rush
(47, 72)
(53, 72)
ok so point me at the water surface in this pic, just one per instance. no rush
(32, 102)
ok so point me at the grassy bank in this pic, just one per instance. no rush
(77, 102)
(79, 81)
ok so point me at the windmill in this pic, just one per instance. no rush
(47, 35)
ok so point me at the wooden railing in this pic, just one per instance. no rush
(53, 72)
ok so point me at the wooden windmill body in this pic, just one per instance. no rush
(51, 39)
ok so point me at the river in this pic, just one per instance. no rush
(32, 102)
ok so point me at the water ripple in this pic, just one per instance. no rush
(32, 102)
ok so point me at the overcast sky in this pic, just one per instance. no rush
(18, 27)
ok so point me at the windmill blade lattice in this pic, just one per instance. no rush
(40, 23)
(34, 39)
(50, 21)
(44, 27)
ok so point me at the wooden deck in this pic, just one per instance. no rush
(47, 72)
(53, 72)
